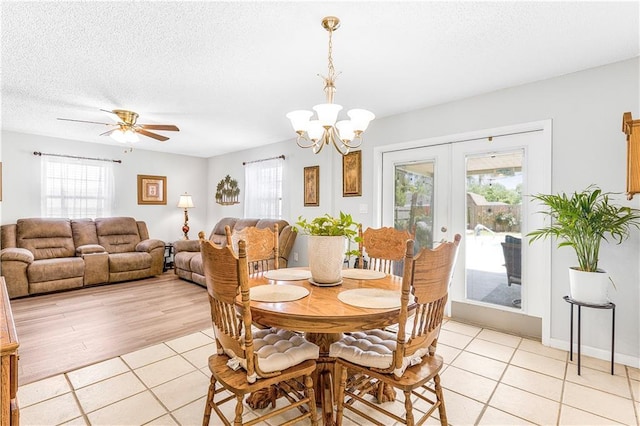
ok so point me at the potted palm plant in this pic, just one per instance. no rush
(326, 245)
(582, 221)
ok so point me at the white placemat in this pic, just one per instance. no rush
(288, 274)
(371, 298)
(277, 293)
(362, 274)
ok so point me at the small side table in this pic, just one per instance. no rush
(608, 305)
(168, 257)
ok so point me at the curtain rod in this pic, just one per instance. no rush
(75, 156)
(244, 163)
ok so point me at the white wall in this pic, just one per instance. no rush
(588, 147)
(21, 191)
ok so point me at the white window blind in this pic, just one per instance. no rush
(263, 189)
(76, 188)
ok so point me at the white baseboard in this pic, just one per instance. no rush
(602, 354)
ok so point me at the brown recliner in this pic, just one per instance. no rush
(187, 259)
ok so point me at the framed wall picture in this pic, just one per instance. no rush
(352, 174)
(152, 189)
(312, 186)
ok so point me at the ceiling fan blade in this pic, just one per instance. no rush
(85, 121)
(108, 132)
(152, 135)
(112, 115)
(170, 127)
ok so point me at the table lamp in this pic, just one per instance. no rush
(185, 203)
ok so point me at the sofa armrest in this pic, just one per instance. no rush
(186, 245)
(285, 241)
(16, 254)
(89, 249)
(150, 244)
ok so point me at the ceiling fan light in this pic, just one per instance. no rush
(360, 119)
(119, 136)
(300, 120)
(327, 113)
(131, 136)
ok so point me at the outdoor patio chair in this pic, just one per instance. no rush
(512, 250)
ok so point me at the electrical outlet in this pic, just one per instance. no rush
(295, 256)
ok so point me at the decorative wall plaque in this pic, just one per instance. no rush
(227, 191)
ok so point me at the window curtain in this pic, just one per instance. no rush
(263, 189)
(76, 188)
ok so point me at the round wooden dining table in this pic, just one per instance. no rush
(323, 317)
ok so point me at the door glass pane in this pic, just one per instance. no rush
(413, 201)
(493, 243)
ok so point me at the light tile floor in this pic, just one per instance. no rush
(490, 378)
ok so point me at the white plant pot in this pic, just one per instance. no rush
(589, 287)
(326, 256)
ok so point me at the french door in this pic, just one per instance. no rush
(477, 188)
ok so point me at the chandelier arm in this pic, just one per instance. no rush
(352, 144)
(321, 142)
(335, 139)
(302, 137)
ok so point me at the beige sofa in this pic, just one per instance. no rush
(43, 255)
(187, 259)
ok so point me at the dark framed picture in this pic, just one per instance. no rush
(352, 174)
(152, 189)
(312, 186)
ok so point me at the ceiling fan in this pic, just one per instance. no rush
(126, 127)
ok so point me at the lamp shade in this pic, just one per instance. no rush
(327, 113)
(315, 130)
(360, 118)
(185, 202)
(300, 120)
(345, 130)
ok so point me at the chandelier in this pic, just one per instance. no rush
(345, 134)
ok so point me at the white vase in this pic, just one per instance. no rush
(589, 287)
(326, 256)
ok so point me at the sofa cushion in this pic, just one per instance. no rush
(196, 265)
(117, 234)
(182, 260)
(219, 228)
(123, 262)
(84, 232)
(45, 238)
(268, 223)
(55, 269)
(243, 223)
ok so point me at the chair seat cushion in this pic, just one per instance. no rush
(278, 350)
(373, 348)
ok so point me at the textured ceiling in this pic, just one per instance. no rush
(226, 73)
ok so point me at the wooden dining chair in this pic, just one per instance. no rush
(278, 362)
(262, 246)
(385, 248)
(406, 360)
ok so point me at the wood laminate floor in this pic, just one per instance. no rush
(68, 330)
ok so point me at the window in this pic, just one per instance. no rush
(76, 188)
(263, 189)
